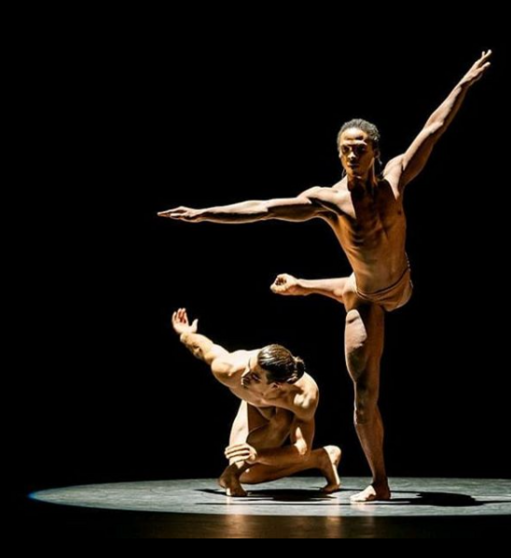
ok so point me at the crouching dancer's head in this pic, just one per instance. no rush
(274, 368)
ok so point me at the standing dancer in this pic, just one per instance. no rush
(366, 213)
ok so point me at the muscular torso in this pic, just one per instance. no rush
(371, 228)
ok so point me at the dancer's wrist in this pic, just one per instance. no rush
(303, 287)
(185, 337)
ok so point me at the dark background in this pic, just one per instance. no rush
(154, 119)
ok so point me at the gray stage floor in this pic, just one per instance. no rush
(296, 497)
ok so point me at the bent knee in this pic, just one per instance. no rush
(353, 317)
(356, 332)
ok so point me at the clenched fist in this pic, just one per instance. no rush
(286, 285)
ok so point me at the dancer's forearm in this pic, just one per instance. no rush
(288, 209)
(442, 118)
(327, 287)
(240, 213)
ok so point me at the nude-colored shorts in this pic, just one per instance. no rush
(393, 297)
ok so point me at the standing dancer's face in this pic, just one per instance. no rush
(356, 152)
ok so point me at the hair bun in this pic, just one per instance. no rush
(300, 367)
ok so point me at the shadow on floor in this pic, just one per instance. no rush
(312, 497)
(440, 500)
(277, 495)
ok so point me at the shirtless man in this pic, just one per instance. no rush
(366, 213)
(279, 401)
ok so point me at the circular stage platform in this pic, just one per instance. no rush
(295, 497)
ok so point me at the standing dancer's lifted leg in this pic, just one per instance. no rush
(365, 211)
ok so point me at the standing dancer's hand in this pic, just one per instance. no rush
(286, 285)
(478, 69)
(183, 214)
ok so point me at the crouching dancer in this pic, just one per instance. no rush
(279, 402)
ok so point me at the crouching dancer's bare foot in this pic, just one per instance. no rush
(329, 462)
(373, 493)
(231, 483)
(287, 285)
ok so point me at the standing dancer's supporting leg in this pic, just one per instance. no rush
(364, 340)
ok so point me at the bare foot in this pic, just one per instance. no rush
(329, 463)
(372, 494)
(231, 483)
(286, 285)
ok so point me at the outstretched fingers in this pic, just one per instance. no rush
(483, 62)
(478, 69)
(186, 214)
(485, 56)
(175, 213)
(167, 214)
(180, 316)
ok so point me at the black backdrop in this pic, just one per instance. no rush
(216, 118)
